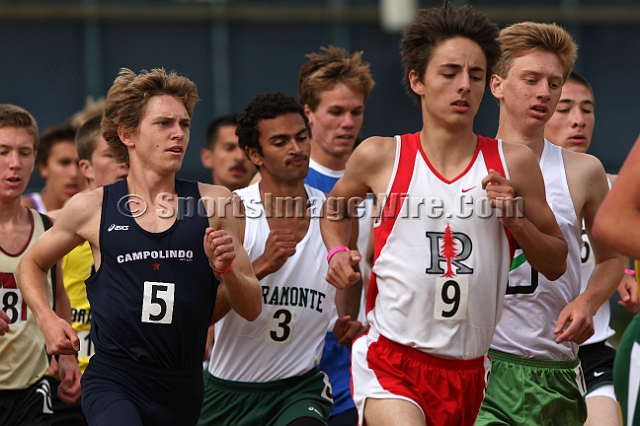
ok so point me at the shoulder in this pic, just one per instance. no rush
(374, 150)
(518, 155)
(584, 163)
(213, 191)
(27, 201)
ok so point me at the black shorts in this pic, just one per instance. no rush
(597, 364)
(26, 407)
(64, 414)
(119, 391)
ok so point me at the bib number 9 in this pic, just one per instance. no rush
(157, 302)
(451, 298)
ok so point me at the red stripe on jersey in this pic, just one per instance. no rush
(492, 160)
(393, 204)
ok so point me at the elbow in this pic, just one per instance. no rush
(556, 265)
(556, 269)
(253, 313)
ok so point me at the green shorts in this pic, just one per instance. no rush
(528, 392)
(626, 377)
(269, 404)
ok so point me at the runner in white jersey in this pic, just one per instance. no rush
(264, 372)
(296, 306)
(441, 251)
(571, 127)
(536, 376)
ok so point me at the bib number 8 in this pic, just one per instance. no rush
(157, 302)
(11, 302)
(451, 298)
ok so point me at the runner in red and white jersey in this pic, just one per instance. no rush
(439, 281)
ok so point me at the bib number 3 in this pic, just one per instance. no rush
(280, 324)
(157, 302)
(451, 298)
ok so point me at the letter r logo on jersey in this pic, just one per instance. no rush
(448, 250)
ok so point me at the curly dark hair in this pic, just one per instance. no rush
(433, 26)
(265, 106)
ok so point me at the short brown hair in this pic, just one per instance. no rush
(50, 136)
(524, 37)
(14, 116)
(324, 70)
(576, 78)
(87, 137)
(128, 98)
(433, 26)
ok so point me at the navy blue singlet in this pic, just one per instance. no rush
(153, 295)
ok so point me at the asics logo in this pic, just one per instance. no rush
(114, 227)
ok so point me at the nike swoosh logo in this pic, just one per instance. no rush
(467, 189)
(598, 373)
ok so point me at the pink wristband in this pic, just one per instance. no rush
(335, 250)
(224, 271)
(630, 272)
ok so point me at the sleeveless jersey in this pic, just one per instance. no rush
(23, 360)
(153, 296)
(441, 255)
(286, 340)
(601, 319)
(533, 303)
(77, 266)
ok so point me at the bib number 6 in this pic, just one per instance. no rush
(157, 302)
(451, 298)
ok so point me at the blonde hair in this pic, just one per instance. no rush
(324, 70)
(522, 38)
(128, 98)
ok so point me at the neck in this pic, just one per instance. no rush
(513, 131)
(12, 213)
(149, 185)
(448, 148)
(273, 193)
(327, 160)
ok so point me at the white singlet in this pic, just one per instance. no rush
(533, 303)
(286, 340)
(442, 257)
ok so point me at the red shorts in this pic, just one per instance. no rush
(448, 392)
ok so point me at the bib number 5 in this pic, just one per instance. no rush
(157, 302)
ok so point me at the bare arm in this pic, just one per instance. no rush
(223, 246)
(588, 181)
(32, 272)
(68, 371)
(535, 228)
(368, 170)
(617, 223)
